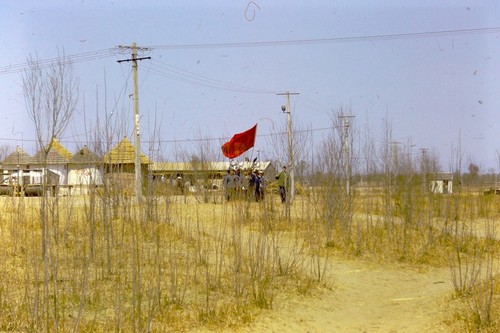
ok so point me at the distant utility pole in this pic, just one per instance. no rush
(424, 166)
(347, 158)
(137, 139)
(286, 109)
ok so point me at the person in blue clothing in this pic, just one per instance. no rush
(252, 184)
(262, 183)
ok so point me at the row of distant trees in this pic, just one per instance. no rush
(471, 177)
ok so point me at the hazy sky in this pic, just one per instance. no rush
(216, 68)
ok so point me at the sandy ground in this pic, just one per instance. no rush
(364, 298)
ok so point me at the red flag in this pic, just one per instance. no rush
(239, 143)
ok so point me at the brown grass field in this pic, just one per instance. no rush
(372, 262)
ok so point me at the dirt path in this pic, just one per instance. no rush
(365, 299)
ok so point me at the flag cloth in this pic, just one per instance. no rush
(239, 143)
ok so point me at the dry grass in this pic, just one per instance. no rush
(101, 263)
(187, 264)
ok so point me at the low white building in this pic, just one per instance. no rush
(85, 170)
(194, 172)
(441, 182)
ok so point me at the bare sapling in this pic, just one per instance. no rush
(51, 96)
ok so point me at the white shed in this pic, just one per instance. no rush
(441, 182)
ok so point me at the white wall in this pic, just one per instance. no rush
(85, 176)
(440, 186)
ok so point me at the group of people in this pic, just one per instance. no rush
(251, 185)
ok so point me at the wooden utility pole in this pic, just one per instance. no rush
(424, 167)
(286, 109)
(137, 136)
(347, 157)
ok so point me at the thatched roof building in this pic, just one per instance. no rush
(123, 153)
(85, 170)
(56, 154)
(85, 156)
(19, 159)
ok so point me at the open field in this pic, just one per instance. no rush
(191, 263)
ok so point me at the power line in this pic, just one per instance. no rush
(174, 73)
(313, 105)
(104, 53)
(365, 38)
(68, 141)
(373, 156)
(75, 58)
